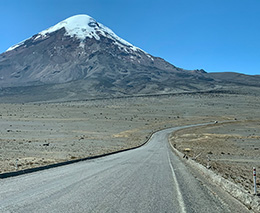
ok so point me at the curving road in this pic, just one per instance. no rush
(147, 179)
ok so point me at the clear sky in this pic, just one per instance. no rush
(215, 35)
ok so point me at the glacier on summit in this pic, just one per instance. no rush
(81, 27)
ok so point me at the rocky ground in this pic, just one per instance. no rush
(230, 149)
(36, 134)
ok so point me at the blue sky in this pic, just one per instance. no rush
(215, 35)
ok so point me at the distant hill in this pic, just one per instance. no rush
(236, 78)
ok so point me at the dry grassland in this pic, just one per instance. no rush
(44, 133)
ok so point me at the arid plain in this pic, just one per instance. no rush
(36, 134)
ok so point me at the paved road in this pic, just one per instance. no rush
(147, 179)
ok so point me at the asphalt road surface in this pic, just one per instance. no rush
(147, 179)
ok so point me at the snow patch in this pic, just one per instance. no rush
(15, 46)
(82, 45)
(38, 36)
(149, 56)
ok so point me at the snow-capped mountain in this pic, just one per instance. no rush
(81, 27)
(81, 51)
